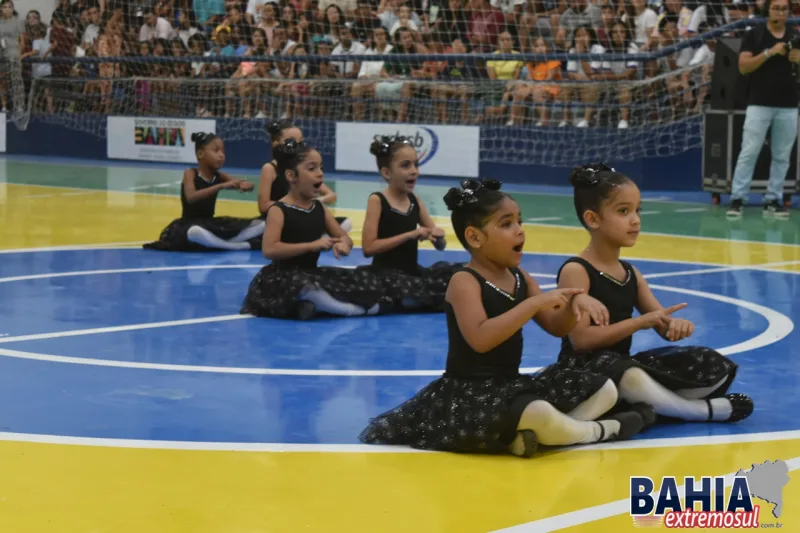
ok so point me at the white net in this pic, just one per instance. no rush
(547, 85)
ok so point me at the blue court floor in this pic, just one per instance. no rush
(151, 345)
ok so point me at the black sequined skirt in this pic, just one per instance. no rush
(420, 292)
(173, 238)
(275, 290)
(471, 415)
(675, 367)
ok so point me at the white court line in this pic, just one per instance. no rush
(599, 512)
(640, 444)
(124, 270)
(649, 212)
(129, 327)
(75, 247)
(691, 210)
(542, 219)
(778, 327)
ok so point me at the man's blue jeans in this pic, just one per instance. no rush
(758, 120)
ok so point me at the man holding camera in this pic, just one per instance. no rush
(767, 55)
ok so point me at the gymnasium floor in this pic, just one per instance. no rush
(136, 398)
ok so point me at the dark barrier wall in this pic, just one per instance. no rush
(671, 173)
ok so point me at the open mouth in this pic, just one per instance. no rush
(518, 248)
(318, 185)
(411, 182)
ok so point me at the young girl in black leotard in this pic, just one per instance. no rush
(482, 403)
(293, 286)
(273, 185)
(198, 229)
(395, 222)
(687, 382)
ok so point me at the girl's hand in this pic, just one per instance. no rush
(678, 329)
(437, 233)
(423, 233)
(233, 184)
(555, 299)
(583, 303)
(245, 186)
(323, 244)
(340, 249)
(659, 319)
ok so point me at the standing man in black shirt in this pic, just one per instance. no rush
(765, 56)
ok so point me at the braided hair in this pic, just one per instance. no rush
(290, 154)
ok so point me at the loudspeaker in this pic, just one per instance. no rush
(729, 89)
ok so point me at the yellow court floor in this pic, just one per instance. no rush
(70, 473)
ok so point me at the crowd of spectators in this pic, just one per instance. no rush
(453, 92)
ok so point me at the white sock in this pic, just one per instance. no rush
(202, 236)
(701, 392)
(554, 428)
(598, 403)
(326, 303)
(637, 386)
(255, 229)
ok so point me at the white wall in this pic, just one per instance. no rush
(45, 7)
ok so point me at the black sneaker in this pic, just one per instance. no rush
(774, 209)
(735, 210)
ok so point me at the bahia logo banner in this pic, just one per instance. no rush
(441, 150)
(722, 502)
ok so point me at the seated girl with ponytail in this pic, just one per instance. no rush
(688, 383)
(273, 185)
(292, 285)
(482, 404)
(395, 222)
(198, 229)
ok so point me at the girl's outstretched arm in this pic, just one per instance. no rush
(193, 195)
(483, 333)
(671, 329)
(586, 337)
(370, 243)
(556, 322)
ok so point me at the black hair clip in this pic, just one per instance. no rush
(279, 125)
(470, 191)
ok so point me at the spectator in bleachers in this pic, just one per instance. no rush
(296, 91)
(453, 72)
(701, 79)
(503, 74)
(269, 20)
(387, 13)
(621, 69)
(248, 72)
(580, 13)
(12, 28)
(334, 19)
(541, 94)
(255, 9)
(344, 6)
(712, 12)
(365, 23)
(585, 42)
(208, 12)
(156, 28)
(321, 72)
(399, 90)
(485, 25)
(347, 47)
(403, 20)
(682, 12)
(643, 21)
(369, 72)
(452, 22)
(603, 30)
(678, 88)
(187, 26)
(295, 26)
